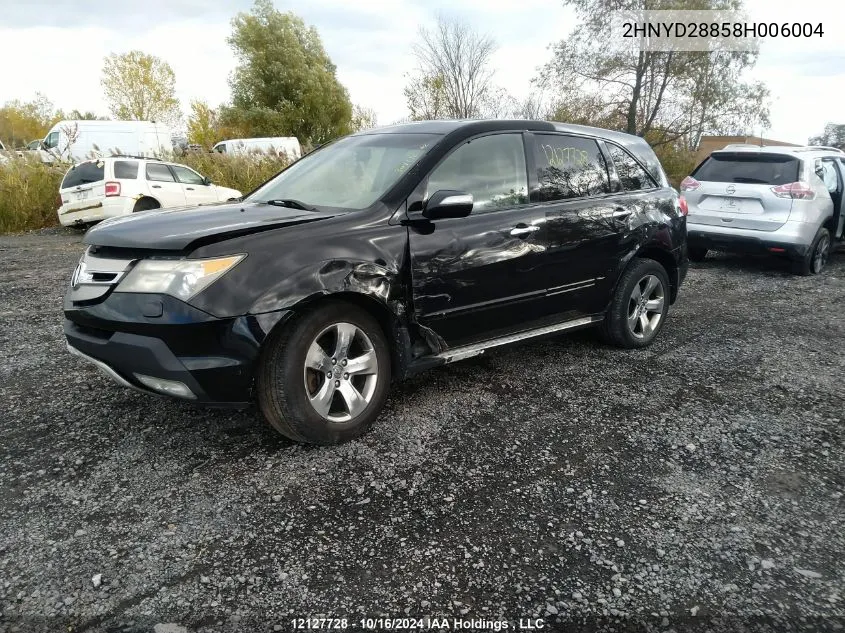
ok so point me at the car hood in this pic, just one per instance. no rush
(183, 228)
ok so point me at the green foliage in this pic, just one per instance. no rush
(140, 87)
(833, 136)
(363, 118)
(204, 125)
(76, 115)
(285, 84)
(22, 122)
(678, 161)
(425, 95)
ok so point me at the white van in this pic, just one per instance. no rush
(279, 145)
(78, 140)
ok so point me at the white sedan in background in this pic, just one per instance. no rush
(102, 188)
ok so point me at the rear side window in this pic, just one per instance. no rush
(83, 174)
(569, 167)
(754, 169)
(632, 175)
(159, 173)
(126, 169)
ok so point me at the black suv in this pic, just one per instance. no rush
(379, 255)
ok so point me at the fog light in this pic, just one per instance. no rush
(168, 387)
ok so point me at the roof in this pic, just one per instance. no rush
(446, 126)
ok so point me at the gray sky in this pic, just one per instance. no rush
(57, 46)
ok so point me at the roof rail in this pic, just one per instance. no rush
(825, 148)
(131, 156)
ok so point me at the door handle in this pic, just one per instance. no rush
(189, 188)
(521, 231)
(156, 186)
(620, 214)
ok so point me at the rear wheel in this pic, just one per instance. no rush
(697, 253)
(639, 306)
(145, 204)
(817, 255)
(324, 378)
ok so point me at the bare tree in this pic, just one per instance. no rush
(460, 57)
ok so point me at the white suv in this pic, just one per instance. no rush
(119, 185)
(781, 200)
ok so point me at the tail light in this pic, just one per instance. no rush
(795, 190)
(112, 189)
(689, 184)
(682, 203)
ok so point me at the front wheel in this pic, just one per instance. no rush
(325, 377)
(639, 306)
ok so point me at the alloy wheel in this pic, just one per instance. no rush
(341, 372)
(646, 306)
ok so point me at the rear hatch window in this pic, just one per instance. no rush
(752, 169)
(734, 191)
(84, 174)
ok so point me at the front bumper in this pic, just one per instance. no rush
(794, 238)
(214, 359)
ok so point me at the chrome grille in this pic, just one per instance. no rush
(95, 276)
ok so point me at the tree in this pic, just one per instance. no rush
(76, 115)
(22, 122)
(666, 96)
(284, 84)
(454, 77)
(833, 136)
(363, 118)
(203, 125)
(426, 97)
(140, 87)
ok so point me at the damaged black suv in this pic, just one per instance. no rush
(379, 255)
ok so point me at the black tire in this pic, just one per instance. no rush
(615, 328)
(817, 255)
(282, 381)
(697, 253)
(145, 204)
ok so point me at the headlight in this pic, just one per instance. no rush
(180, 278)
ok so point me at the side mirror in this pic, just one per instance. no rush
(206, 180)
(448, 204)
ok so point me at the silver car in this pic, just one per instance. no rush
(782, 200)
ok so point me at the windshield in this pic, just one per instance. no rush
(352, 173)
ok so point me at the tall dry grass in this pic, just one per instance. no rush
(243, 173)
(29, 189)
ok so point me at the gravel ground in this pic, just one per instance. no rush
(696, 485)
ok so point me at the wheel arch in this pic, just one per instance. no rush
(143, 197)
(386, 316)
(669, 263)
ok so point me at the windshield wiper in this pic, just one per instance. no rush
(288, 202)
